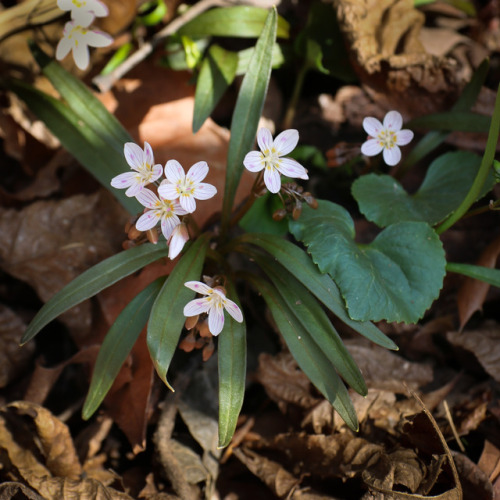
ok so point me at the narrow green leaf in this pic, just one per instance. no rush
(486, 274)
(464, 121)
(396, 277)
(167, 318)
(239, 21)
(245, 56)
(232, 356)
(311, 316)
(94, 280)
(320, 285)
(216, 74)
(86, 145)
(247, 112)
(117, 345)
(308, 355)
(259, 218)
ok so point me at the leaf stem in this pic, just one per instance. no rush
(292, 105)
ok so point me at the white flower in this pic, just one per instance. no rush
(84, 11)
(214, 304)
(177, 240)
(186, 187)
(78, 39)
(387, 137)
(162, 210)
(270, 158)
(142, 162)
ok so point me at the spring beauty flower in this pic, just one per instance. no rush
(160, 210)
(386, 137)
(186, 187)
(78, 39)
(145, 171)
(270, 158)
(213, 304)
(84, 11)
(177, 240)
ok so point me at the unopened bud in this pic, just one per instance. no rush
(310, 200)
(128, 244)
(133, 233)
(191, 321)
(203, 329)
(297, 210)
(152, 235)
(208, 350)
(188, 343)
(279, 214)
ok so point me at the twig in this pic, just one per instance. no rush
(452, 425)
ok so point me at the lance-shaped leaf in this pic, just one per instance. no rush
(94, 280)
(383, 200)
(247, 112)
(232, 356)
(322, 286)
(306, 352)
(167, 318)
(486, 274)
(464, 121)
(396, 277)
(117, 345)
(311, 316)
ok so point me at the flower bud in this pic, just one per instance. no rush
(279, 214)
(133, 233)
(152, 235)
(191, 321)
(297, 210)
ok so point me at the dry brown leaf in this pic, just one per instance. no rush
(284, 382)
(472, 293)
(489, 462)
(11, 489)
(475, 482)
(484, 343)
(13, 359)
(440, 41)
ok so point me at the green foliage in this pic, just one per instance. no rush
(396, 277)
(486, 274)
(94, 280)
(384, 201)
(167, 318)
(117, 345)
(259, 218)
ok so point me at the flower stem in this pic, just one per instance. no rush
(292, 105)
(483, 172)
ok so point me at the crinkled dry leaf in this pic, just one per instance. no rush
(11, 489)
(284, 382)
(484, 343)
(472, 293)
(13, 359)
(475, 482)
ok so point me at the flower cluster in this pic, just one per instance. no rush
(174, 197)
(77, 35)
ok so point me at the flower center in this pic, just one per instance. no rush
(387, 139)
(167, 208)
(270, 158)
(185, 187)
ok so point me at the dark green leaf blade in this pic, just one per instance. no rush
(167, 318)
(117, 345)
(247, 112)
(94, 280)
(232, 356)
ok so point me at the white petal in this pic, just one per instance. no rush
(174, 171)
(157, 172)
(168, 223)
(216, 320)
(65, 4)
(95, 38)
(147, 155)
(133, 154)
(147, 198)
(123, 181)
(292, 168)
(264, 139)
(168, 191)
(204, 191)
(404, 137)
(286, 141)
(198, 171)
(178, 210)
(81, 55)
(148, 220)
(371, 147)
(196, 306)
(393, 121)
(272, 178)
(253, 161)
(188, 203)
(134, 189)
(372, 126)
(392, 156)
(82, 17)
(63, 48)
(177, 241)
(199, 287)
(98, 8)
(233, 310)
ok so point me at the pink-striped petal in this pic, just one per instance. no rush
(371, 147)
(188, 203)
(168, 191)
(264, 140)
(63, 48)
(96, 38)
(174, 171)
(157, 172)
(82, 17)
(393, 121)
(135, 188)
(272, 179)
(147, 198)
(81, 55)
(196, 306)
(372, 126)
(177, 241)
(123, 181)
(134, 155)
(233, 310)
(254, 161)
(392, 156)
(198, 171)
(148, 220)
(148, 156)
(168, 223)
(404, 137)
(292, 168)
(199, 287)
(204, 191)
(216, 320)
(286, 141)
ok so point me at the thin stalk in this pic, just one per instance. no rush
(292, 105)
(482, 174)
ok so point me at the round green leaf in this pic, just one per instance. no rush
(396, 277)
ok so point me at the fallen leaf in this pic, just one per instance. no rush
(489, 462)
(475, 482)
